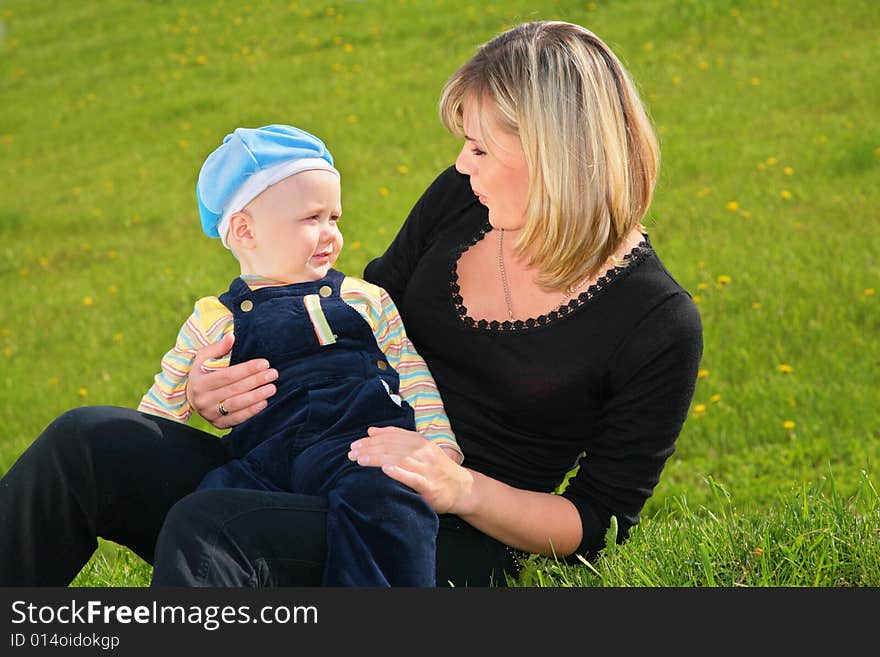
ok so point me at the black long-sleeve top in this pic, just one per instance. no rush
(609, 377)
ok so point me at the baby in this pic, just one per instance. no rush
(272, 196)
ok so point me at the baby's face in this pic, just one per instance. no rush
(295, 226)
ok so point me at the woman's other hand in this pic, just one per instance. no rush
(420, 464)
(243, 388)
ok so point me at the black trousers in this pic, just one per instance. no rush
(129, 477)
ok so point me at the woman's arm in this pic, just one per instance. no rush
(541, 523)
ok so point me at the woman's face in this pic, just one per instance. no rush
(496, 165)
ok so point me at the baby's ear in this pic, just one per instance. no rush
(241, 230)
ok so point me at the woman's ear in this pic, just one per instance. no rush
(241, 230)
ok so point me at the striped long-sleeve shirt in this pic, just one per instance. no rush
(211, 320)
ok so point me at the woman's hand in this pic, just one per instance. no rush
(420, 464)
(243, 389)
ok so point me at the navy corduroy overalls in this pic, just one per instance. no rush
(379, 531)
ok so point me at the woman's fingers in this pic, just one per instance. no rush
(415, 481)
(242, 389)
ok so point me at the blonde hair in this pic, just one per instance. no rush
(589, 145)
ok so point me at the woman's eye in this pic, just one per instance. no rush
(478, 152)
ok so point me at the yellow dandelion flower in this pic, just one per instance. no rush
(785, 194)
(676, 80)
(755, 81)
(788, 424)
(877, 151)
(52, 381)
(352, 118)
(7, 139)
(112, 289)
(715, 398)
(403, 169)
(701, 264)
(785, 368)
(756, 305)
(44, 261)
(697, 298)
(759, 550)
(648, 46)
(788, 171)
(7, 351)
(592, 6)
(703, 66)
(384, 191)
(702, 286)
(118, 337)
(869, 291)
(348, 47)
(183, 143)
(82, 392)
(733, 206)
(724, 279)
(700, 408)
(88, 301)
(355, 245)
(201, 59)
(702, 374)
(761, 166)
(772, 161)
(5, 332)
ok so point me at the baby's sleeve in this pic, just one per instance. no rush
(417, 386)
(208, 323)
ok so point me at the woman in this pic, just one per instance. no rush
(525, 279)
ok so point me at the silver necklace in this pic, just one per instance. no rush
(503, 275)
(568, 293)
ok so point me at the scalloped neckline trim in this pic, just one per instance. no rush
(631, 259)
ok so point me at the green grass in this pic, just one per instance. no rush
(770, 179)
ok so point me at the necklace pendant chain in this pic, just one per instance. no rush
(503, 274)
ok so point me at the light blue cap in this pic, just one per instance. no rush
(248, 161)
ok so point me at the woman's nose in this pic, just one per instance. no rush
(462, 165)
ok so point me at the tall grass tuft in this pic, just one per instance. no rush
(814, 537)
